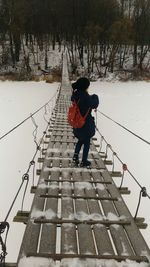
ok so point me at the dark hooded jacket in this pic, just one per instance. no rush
(86, 101)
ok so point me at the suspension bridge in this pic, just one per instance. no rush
(77, 214)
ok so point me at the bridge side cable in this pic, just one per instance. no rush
(125, 128)
(29, 117)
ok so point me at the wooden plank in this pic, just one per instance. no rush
(66, 175)
(78, 188)
(32, 230)
(22, 216)
(97, 177)
(116, 174)
(68, 231)
(106, 176)
(48, 235)
(103, 241)
(68, 239)
(86, 243)
(86, 176)
(85, 236)
(117, 231)
(124, 191)
(71, 146)
(89, 190)
(66, 189)
(100, 164)
(55, 163)
(54, 175)
(83, 221)
(76, 176)
(10, 264)
(65, 163)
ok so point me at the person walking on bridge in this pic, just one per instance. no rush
(85, 103)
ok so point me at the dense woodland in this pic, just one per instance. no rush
(101, 35)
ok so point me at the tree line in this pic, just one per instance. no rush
(100, 34)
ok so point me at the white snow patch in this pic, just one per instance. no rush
(100, 187)
(55, 150)
(65, 174)
(66, 185)
(113, 217)
(83, 185)
(36, 262)
(77, 170)
(100, 263)
(54, 185)
(81, 216)
(48, 214)
(116, 226)
(124, 253)
(68, 249)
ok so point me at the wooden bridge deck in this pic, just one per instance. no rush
(78, 213)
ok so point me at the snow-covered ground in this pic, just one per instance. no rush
(128, 103)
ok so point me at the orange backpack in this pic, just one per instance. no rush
(75, 119)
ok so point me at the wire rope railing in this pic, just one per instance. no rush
(125, 128)
(29, 117)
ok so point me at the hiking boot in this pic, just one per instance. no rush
(75, 159)
(86, 164)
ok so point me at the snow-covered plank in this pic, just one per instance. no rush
(68, 230)
(68, 239)
(66, 189)
(66, 175)
(97, 177)
(32, 231)
(65, 163)
(85, 235)
(86, 241)
(78, 185)
(48, 233)
(55, 163)
(54, 175)
(118, 234)
(103, 242)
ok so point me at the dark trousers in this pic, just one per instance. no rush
(86, 147)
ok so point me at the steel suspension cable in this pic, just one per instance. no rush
(125, 128)
(31, 115)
